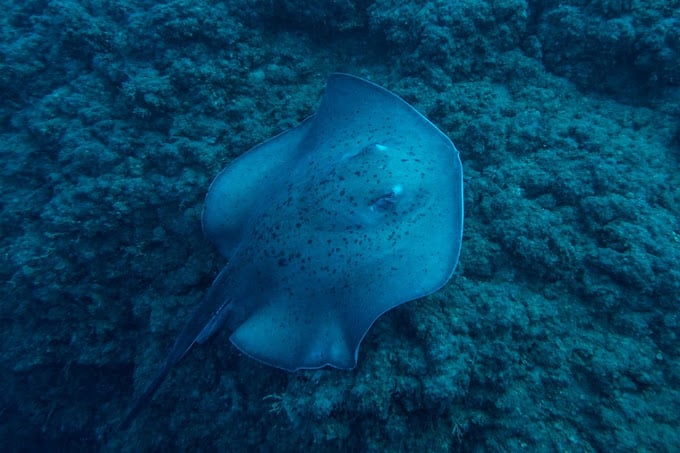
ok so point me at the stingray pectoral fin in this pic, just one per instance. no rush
(282, 337)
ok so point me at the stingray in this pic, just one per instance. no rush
(326, 227)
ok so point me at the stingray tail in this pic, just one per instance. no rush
(205, 321)
(146, 396)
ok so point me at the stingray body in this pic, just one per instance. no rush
(326, 227)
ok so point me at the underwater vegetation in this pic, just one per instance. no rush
(559, 329)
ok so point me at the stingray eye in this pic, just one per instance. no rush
(388, 200)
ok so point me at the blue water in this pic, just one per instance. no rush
(558, 331)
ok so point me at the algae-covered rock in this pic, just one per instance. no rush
(559, 330)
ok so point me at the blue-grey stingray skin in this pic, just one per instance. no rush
(326, 227)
